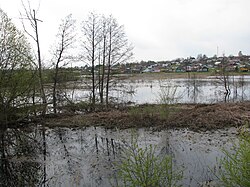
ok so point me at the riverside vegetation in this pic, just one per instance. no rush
(141, 166)
(236, 165)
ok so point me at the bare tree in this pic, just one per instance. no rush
(104, 55)
(119, 50)
(61, 56)
(92, 39)
(30, 15)
(105, 45)
(223, 76)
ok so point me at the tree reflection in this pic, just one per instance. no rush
(193, 88)
(242, 84)
(18, 159)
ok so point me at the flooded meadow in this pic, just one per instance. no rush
(90, 156)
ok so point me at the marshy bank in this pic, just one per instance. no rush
(192, 116)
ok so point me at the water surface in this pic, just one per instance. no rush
(189, 90)
(85, 157)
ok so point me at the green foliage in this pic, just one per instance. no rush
(141, 167)
(138, 113)
(64, 75)
(144, 110)
(17, 74)
(160, 112)
(80, 106)
(236, 165)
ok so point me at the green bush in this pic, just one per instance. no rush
(143, 168)
(236, 165)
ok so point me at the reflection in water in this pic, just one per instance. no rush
(19, 164)
(194, 88)
(44, 155)
(242, 85)
(88, 157)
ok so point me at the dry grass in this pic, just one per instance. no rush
(193, 116)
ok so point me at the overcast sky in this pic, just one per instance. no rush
(158, 29)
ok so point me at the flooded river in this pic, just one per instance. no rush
(85, 157)
(189, 90)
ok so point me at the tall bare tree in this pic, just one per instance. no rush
(91, 41)
(61, 53)
(104, 55)
(105, 45)
(119, 49)
(30, 15)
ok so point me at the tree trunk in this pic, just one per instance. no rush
(103, 68)
(54, 90)
(56, 79)
(93, 82)
(109, 66)
(40, 67)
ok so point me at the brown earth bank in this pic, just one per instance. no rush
(197, 117)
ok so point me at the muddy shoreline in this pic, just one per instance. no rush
(196, 117)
